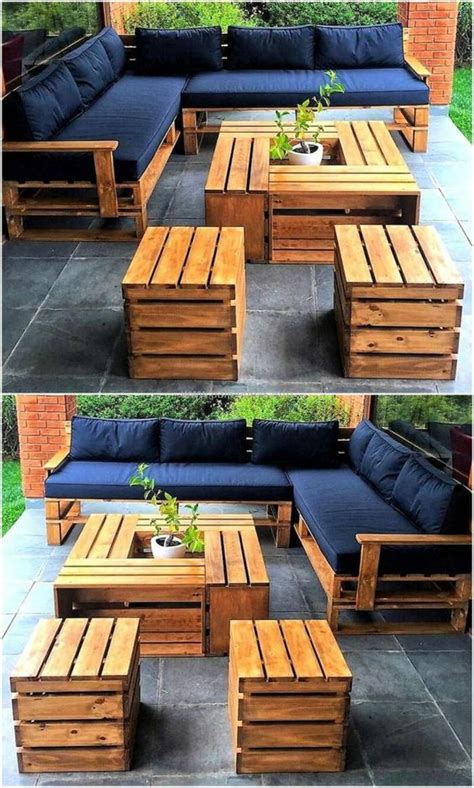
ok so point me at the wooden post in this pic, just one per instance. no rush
(368, 573)
(191, 146)
(105, 179)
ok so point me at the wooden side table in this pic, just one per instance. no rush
(184, 295)
(76, 696)
(184, 604)
(397, 303)
(289, 697)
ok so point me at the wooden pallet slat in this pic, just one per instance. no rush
(89, 660)
(63, 653)
(37, 650)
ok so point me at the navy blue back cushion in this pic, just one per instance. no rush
(382, 462)
(271, 47)
(359, 47)
(295, 444)
(91, 68)
(118, 440)
(358, 443)
(41, 107)
(425, 494)
(115, 49)
(202, 441)
(183, 51)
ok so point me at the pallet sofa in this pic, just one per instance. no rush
(89, 135)
(372, 515)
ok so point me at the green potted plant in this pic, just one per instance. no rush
(176, 539)
(303, 147)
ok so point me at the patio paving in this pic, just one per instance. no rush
(410, 711)
(63, 321)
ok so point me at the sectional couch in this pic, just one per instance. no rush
(369, 510)
(103, 117)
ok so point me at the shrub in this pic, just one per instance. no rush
(185, 15)
(463, 53)
(10, 444)
(294, 13)
(149, 406)
(312, 407)
(419, 409)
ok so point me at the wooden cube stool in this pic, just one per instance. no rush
(396, 302)
(289, 697)
(185, 303)
(76, 696)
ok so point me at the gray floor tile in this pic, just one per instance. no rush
(367, 643)
(434, 207)
(40, 249)
(13, 595)
(385, 676)
(460, 202)
(447, 675)
(20, 632)
(115, 249)
(324, 284)
(39, 600)
(434, 643)
(405, 735)
(14, 324)
(455, 240)
(459, 716)
(279, 287)
(28, 280)
(423, 777)
(103, 277)
(208, 685)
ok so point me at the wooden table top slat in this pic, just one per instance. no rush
(140, 271)
(199, 263)
(147, 567)
(238, 178)
(253, 557)
(329, 654)
(218, 171)
(96, 579)
(118, 661)
(123, 545)
(214, 558)
(234, 560)
(87, 536)
(173, 257)
(352, 255)
(245, 654)
(350, 149)
(383, 263)
(260, 165)
(229, 257)
(276, 663)
(303, 658)
(437, 257)
(89, 660)
(106, 536)
(410, 260)
(37, 649)
(66, 646)
(367, 143)
(387, 145)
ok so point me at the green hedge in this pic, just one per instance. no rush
(328, 13)
(10, 446)
(420, 408)
(185, 15)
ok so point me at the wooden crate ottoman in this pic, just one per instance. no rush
(76, 696)
(184, 295)
(289, 697)
(397, 303)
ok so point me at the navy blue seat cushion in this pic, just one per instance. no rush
(184, 440)
(41, 107)
(382, 462)
(425, 494)
(272, 88)
(115, 49)
(270, 47)
(191, 481)
(336, 504)
(356, 46)
(178, 51)
(295, 444)
(91, 68)
(358, 443)
(118, 440)
(124, 113)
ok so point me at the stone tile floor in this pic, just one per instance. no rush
(63, 322)
(411, 699)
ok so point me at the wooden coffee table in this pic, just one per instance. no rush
(289, 212)
(184, 605)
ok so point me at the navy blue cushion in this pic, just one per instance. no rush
(270, 47)
(382, 462)
(337, 505)
(115, 49)
(198, 481)
(184, 440)
(424, 494)
(295, 444)
(124, 113)
(91, 68)
(121, 440)
(182, 51)
(285, 88)
(41, 107)
(359, 46)
(359, 441)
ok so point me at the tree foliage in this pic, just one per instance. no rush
(419, 409)
(170, 15)
(54, 16)
(10, 447)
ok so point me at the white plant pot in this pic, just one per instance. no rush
(307, 159)
(175, 551)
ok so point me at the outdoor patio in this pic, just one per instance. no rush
(410, 709)
(63, 316)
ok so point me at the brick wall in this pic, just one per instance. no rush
(41, 432)
(432, 39)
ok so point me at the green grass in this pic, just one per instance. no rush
(460, 111)
(13, 501)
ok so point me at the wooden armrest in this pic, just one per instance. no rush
(414, 539)
(81, 146)
(415, 65)
(56, 461)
